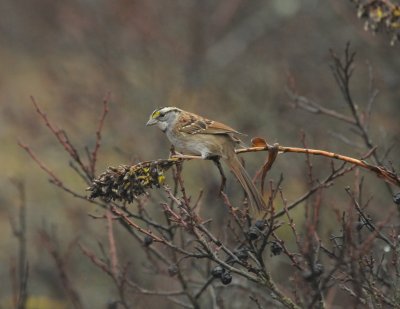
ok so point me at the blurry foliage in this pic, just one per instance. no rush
(40, 302)
(45, 303)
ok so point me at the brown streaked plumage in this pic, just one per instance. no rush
(193, 134)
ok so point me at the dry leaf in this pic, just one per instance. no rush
(258, 142)
(272, 154)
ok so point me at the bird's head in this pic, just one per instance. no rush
(164, 117)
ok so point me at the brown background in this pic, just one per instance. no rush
(227, 60)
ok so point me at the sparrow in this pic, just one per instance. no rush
(195, 135)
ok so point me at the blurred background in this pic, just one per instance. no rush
(227, 60)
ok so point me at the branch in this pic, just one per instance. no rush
(128, 182)
(380, 171)
(93, 157)
(21, 274)
(62, 138)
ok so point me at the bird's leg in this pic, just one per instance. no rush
(173, 154)
(216, 160)
(172, 151)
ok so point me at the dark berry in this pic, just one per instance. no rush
(241, 254)
(253, 233)
(260, 224)
(276, 248)
(226, 278)
(396, 198)
(172, 270)
(317, 271)
(307, 275)
(147, 240)
(217, 271)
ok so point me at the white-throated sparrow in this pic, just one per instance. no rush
(193, 134)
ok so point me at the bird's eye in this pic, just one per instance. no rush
(162, 116)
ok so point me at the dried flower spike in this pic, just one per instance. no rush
(125, 183)
(380, 15)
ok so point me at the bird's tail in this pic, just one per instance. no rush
(254, 196)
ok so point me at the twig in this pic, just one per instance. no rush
(21, 293)
(62, 138)
(93, 158)
(380, 171)
(368, 221)
(112, 246)
(315, 108)
(49, 243)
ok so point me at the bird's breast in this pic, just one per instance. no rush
(198, 144)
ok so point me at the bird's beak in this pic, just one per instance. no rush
(151, 122)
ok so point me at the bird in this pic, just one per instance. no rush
(195, 135)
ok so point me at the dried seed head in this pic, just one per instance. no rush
(380, 16)
(125, 183)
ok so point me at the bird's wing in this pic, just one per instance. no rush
(192, 124)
